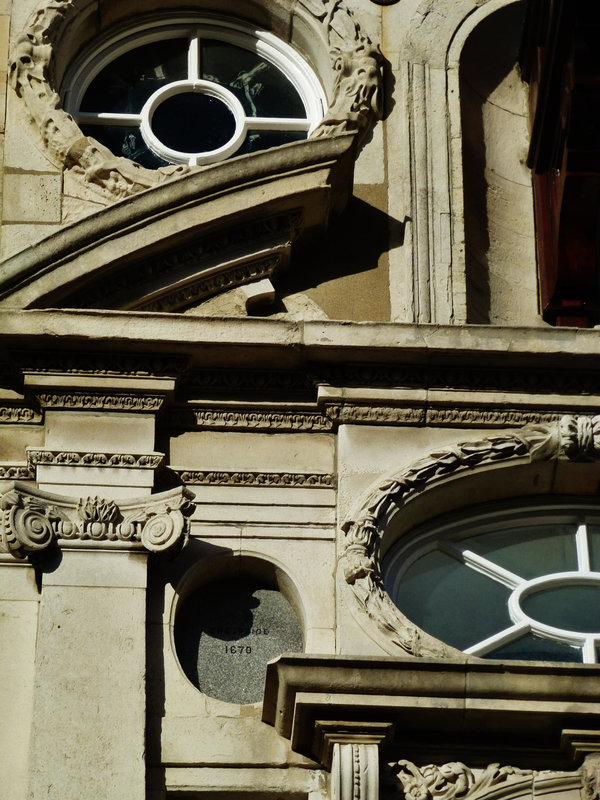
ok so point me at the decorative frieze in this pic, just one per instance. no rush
(376, 415)
(311, 421)
(16, 472)
(47, 458)
(200, 289)
(19, 414)
(452, 781)
(293, 480)
(487, 417)
(31, 520)
(91, 401)
(573, 438)
(101, 365)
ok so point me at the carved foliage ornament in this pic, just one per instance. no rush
(355, 105)
(32, 520)
(571, 438)
(452, 781)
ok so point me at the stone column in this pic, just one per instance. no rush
(89, 692)
(89, 696)
(19, 600)
(351, 749)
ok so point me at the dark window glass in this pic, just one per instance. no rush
(126, 142)
(573, 608)
(263, 140)
(528, 551)
(191, 122)
(534, 648)
(452, 601)
(262, 89)
(124, 85)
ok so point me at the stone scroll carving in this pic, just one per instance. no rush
(452, 781)
(358, 67)
(31, 520)
(572, 438)
(356, 102)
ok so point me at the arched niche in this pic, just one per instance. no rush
(500, 261)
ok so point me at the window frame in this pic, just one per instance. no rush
(448, 531)
(282, 55)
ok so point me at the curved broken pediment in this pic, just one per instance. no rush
(170, 247)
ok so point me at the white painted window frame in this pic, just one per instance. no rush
(448, 538)
(194, 28)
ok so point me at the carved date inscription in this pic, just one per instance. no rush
(226, 632)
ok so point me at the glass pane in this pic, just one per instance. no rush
(124, 86)
(262, 89)
(572, 608)
(452, 601)
(594, 545)
(262, 140)
(533, 648)
(126, 142)
(529, 551)
(193, 123)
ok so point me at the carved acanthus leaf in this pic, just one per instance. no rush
(31, 520)
(452, 781)
(573, 437)
(590, 777)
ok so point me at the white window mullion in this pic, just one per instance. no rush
(194, 59)
(482, 564)
(589, 651)
(583, 550)
(107, 118)
(277, 124)
(498, 639)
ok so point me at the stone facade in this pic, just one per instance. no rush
(266, 371)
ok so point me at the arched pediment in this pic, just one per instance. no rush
(183, 241)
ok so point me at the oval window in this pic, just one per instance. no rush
(194, 94)
(505, 584)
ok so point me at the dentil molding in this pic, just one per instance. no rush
(32, 520)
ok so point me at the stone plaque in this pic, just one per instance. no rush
(226, 632)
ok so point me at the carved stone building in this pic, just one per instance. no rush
(299, 432)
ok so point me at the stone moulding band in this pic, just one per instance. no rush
(32, 520)
(65, 458)
(290, 480)
(19, 414)
(16, 472)
(103, 401)
(355, 105)
(574, 438)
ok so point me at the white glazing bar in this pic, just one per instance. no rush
(482, 564)
(85, 118)
(194, 59)
(583, 550)
(498, 639)
(277, 124)
(589, 651)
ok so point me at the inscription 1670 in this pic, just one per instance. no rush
(226, 632)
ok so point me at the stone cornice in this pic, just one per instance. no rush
(32, 520)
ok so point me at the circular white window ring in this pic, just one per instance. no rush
(556, 580)
(209, 89)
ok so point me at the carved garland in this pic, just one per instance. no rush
(452, 781)
(31, 520)
(356, 102)
(572, 438)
